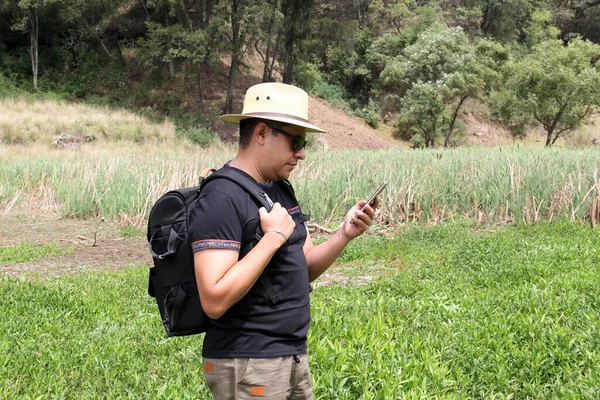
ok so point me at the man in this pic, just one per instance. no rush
(256, 346)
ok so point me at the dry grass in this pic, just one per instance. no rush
(25, 122)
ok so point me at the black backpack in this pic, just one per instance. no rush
(172, 279)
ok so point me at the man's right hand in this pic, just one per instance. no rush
(277, 218)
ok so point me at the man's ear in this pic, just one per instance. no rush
(260, 132)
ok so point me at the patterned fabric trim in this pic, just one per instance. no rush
(216, 244)
(294, 210)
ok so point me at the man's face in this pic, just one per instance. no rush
(284, 151)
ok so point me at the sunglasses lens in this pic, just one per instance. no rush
(298, 144)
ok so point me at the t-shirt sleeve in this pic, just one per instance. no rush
(215, 223)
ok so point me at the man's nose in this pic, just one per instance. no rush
(300, 154)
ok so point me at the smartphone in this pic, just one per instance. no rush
(375, 194)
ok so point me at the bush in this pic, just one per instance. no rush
(307, 75)
(332, 94)
(371, 113)
(202, 136)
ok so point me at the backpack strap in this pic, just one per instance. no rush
(251, 187)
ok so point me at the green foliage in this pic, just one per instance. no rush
(8, 87)
(395, 14)
(466, 315)
(202, 135)
(556, 86)
(456, 313)
(423, 118)
(27, 252)
(332, 94)
(94, 334)
(125, 52)
(541, 28)
(469, 19)
(435, 76)
(506, 21)
(307, 76)
(371, 113)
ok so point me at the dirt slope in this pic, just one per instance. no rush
(343, 131)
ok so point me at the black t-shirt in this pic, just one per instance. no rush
(226, 217)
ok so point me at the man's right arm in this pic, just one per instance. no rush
(223, 280)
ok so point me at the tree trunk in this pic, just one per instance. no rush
(171, 62)
(33, 49)
(267, 69)
(235, 55)
(550, 139)
(232, 75)
(200, 91)
(145, 10)
(453, 121)
(297, 13)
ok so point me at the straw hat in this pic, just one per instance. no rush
(275, 102)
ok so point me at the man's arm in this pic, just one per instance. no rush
(320, 257)
(223, 280)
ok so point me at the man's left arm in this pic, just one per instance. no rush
(320, 257)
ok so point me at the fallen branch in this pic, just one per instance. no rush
(323, 229)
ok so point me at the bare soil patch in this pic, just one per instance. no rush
(94, 244)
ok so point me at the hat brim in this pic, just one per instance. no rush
(236, 118)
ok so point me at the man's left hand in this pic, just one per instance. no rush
(356, 222)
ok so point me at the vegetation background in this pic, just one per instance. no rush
(422, 68)
(480, 279)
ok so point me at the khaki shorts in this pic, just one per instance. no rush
(279, 378)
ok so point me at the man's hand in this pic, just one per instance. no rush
(277, 220)
(356, 222)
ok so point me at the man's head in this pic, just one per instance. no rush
(273, 123)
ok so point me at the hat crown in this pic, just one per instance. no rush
(275, 102)
(276, 98)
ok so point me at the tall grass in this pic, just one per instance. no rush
(24, 121)
(495, 185)
(463, 314)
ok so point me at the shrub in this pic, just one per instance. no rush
(307, 75)
(202, 136)
(371, 113)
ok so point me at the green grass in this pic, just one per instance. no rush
(461, 313)
(29, 252)
(131, 232)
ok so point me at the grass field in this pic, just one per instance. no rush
(484, 284)
(455, 313)
(491, 185)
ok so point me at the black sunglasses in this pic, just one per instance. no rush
(298, 142)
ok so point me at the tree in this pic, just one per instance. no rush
(395, 13)
(555, 86)
(267, 44)
(296, 18)
(32, 10)
(443, 64)
(242, 29)
(423, 114)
